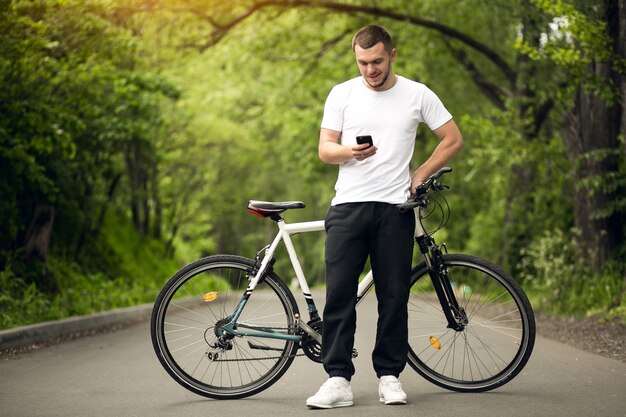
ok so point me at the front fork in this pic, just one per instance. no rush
(454, 313)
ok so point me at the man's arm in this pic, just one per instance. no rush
(332, 152)
(451, 144)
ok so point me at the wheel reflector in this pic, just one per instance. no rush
(210, 296)
(434, 342)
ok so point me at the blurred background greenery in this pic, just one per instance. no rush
(133, 133)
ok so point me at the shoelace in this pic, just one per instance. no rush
(330, 387)
(392, 386)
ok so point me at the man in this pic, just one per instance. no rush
(363, 219)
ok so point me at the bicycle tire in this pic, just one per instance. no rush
(183, 328)
(497, 341)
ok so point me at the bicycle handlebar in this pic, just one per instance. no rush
(419, 198)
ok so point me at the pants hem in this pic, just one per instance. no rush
(342, 374)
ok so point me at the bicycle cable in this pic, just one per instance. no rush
(438, 206)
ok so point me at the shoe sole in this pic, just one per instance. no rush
(392, 402)
(335, 405)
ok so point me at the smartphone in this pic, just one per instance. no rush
(364, 139)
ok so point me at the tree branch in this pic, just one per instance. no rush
(448, 31)
(493, 92)
(326, 46)
(222, 29)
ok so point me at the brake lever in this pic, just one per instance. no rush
(420, 190)
(412, 202)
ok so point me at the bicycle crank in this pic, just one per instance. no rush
(311, 343)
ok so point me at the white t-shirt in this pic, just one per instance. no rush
(391, 117)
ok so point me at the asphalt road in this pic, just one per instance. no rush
(117, 374)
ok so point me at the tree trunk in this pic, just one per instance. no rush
(145, 204)
(131, 167)
(521, 190)
(591, 133)
(37, 243)
(86, 224)
(621, 50)
(593, 125)
(37, 238)
(157, 228)
(169, 246)
(112, 187)
(138, 182)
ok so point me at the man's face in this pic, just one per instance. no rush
(374, 64)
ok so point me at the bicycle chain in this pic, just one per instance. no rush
(259, 359)
(266, 358)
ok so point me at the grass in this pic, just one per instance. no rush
(124, 269)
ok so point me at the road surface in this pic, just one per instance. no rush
(117, 374)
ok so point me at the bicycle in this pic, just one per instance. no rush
(471, 327)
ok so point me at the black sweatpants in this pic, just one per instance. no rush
(354, 231)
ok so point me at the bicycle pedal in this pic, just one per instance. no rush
(354, 353)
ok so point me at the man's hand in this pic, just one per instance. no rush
(363, 151)
(332, 152)
(415, 182)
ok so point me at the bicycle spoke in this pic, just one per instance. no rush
(209, 362)
(491, 344)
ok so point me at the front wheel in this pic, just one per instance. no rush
(196, 302)
(496, 341)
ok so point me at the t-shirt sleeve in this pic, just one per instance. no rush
(434, 114)
(333, 112)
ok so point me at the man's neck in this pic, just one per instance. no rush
(389, 82)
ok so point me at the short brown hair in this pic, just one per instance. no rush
(370, 35)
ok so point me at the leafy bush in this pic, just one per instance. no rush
(21, 303)
(560, 278)
(82, 287)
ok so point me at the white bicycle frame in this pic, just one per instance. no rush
(285, 231)
(284, 234)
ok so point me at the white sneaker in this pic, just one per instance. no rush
(335, 392)
(390, 391)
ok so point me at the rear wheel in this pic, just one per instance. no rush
(497, 340)
(200, 298)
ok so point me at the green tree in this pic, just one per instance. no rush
(73, 108)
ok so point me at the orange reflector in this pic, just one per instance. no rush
(210, 296)
(434, 342)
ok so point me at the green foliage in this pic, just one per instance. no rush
(72, 102)
(501, 214)
(612, 183)
(123, 270)
(560, 277)
(576, 40)
(20, 302)
(147, 126)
